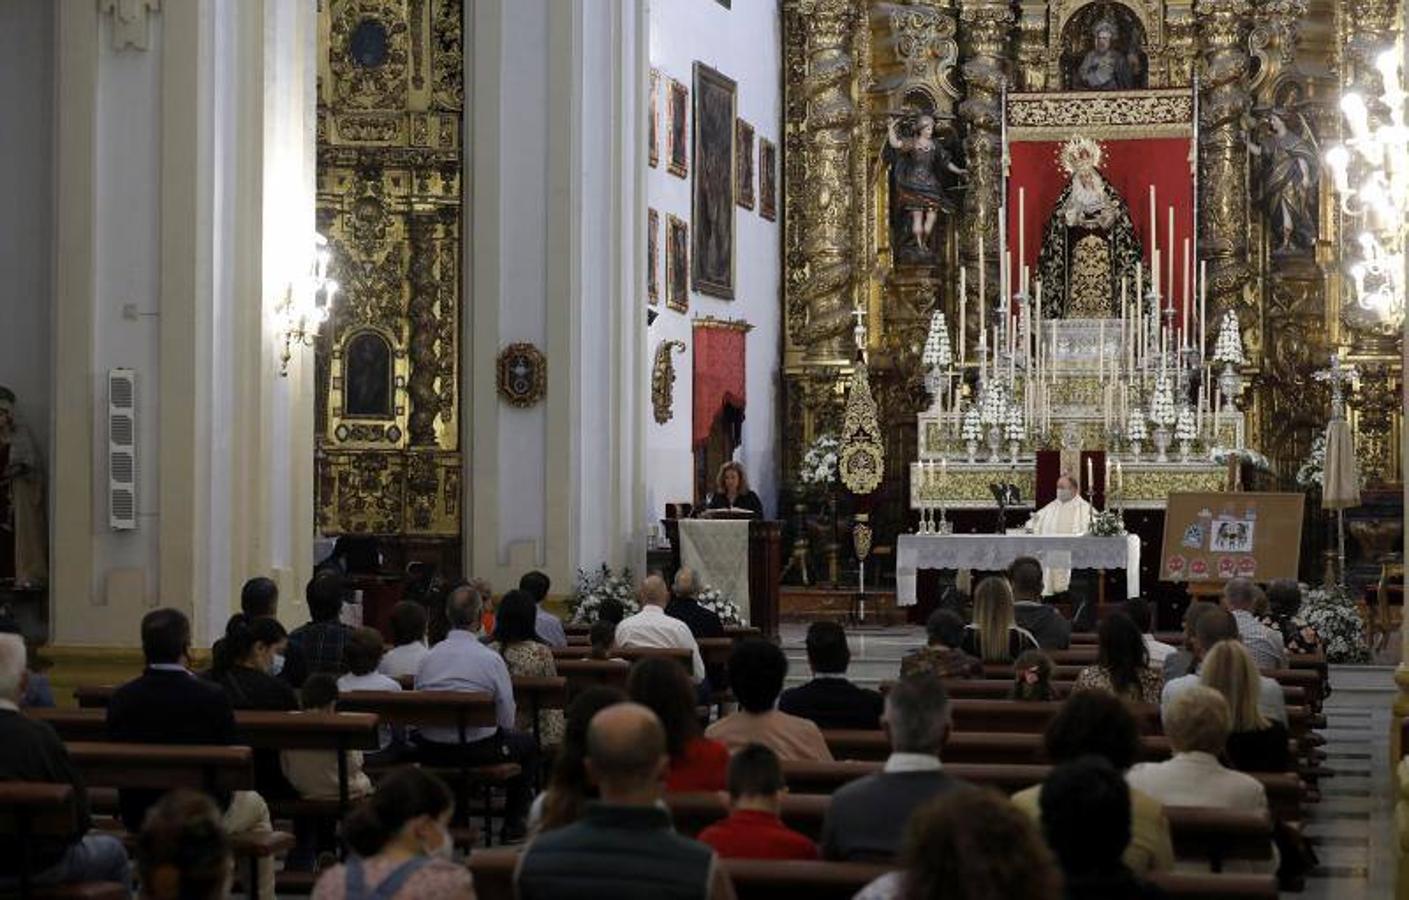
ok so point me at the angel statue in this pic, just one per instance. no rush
(23, 554)
(1105, 68)
(1289, 169)
(919, 168)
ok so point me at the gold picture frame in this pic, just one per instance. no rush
(677, 263)
(652, 129)
(743, 164)
(712, 255)
(677, 129)
(653, 256)
(767, 179)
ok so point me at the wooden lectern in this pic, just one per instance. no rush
(765, 569)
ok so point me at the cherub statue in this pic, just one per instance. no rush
(1104, 68)
(1289, 168)
(919, 165)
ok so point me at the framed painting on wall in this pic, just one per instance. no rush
(712, 196)
(677, 264)
(652, 132)
(677, 128)
(653, 256)
(767, 179)
(743, 160)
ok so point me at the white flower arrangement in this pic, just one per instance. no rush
(993, 404)
(585, 602)
(937, 353)
(1014, 428)
(1162, 411)
(1185, 427)
(1334, 615)
(1229, 348)
(1106, 523)
(1221, 455)
(714, 600)
(971, 428)
(1313, 469)
(1135, 429)
(819, 463)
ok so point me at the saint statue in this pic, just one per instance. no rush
(919, 169)
(1105, 68)
(1289, 167)
(1089, 242)
(23, 553)
(1069, 514)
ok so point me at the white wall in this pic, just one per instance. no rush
(744, 44)
(26, 217)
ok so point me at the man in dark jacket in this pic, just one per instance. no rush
(31, 751)
(703, 623)
(624, 845)
(1047, 624)
(830, 699)
(319, 644)
(866, 819)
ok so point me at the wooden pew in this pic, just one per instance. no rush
(581, 674)
(997, 689)
(1284, 789)
(630, 654)
(539, 693)
(1215, 887)
(971, 747)
(32, 810)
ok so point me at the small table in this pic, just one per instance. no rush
(992, 552)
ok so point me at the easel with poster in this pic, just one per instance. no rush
(1210, 538)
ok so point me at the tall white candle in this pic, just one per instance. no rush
(1101, 352)
(982, 299)
(1203, 309)
(963, 314)
(1169, 250)
(1184, 312)
(1022, 228)
(1155, 271)
(1154, 225)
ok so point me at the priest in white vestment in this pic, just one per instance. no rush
(1068, 514)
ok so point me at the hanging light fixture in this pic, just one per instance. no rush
(1370, 170)
(307, 303)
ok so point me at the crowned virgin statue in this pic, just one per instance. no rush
(1089, 242)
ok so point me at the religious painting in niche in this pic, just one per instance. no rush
(743, 159)
(677, 264)
(677, 128)
(712, 197)
(653, 255)
(923, 182)
(367, 45)
(1288, 167)
(1102, 49)
(652, 133)
(767, 179)
(367, 376)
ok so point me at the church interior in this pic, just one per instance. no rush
(387, 386)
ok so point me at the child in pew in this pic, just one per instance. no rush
(1032, 677)
(361, 657)
(314, 773)
(408, 630)
(753, 829)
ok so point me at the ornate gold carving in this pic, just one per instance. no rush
(1089, 294)
(1168, 113)
(964, 486)
(663, 381)
(371, 128)
(862, 454)
(523, 375)
(987, 26)
(361, 86)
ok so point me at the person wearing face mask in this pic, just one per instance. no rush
(1069, 514)
(244, 666)
(401, 847)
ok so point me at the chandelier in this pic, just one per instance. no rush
(1370, 168)
(306, 303)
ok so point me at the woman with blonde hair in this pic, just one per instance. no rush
(994, 634)
(1256, 743)
(731, 491)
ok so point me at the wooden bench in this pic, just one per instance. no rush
(971, 747)
(630, 654)
(998, 688)
(493, 872)
(31, 811)
(539, 693)
(582, 674)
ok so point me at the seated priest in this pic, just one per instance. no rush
(1068, 514)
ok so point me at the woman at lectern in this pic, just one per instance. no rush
(731, 491)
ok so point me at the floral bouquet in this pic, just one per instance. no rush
(1106, 523)
(1221, 455)
(1313, 469)
(819, 463)
(585, 601)
(1333, 613)
(714, 600)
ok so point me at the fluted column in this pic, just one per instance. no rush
(985, 30)
(821, 201)
(1223, 173)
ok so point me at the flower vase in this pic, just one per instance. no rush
(971, 447)
(1184, 447)
(995, 445)
(1230, 383)
(1162, 444)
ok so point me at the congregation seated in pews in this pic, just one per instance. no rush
(1096, 775)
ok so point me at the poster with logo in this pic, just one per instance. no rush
(1213, 537)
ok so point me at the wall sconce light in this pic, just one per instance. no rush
(306, 304)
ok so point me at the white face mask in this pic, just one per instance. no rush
(446, 849)
(276, 665)
(1065, 494)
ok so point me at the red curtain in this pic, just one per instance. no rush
(719, 375)
(1131, 166)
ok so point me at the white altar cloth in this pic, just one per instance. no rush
(718, 551)
(995, 551)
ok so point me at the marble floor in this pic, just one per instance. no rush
(1352, 827)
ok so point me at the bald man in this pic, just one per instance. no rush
(624, 846)
(1068, 514)
(651, 627)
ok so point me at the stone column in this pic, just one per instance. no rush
(985, 31)
(1223, 170)
(821, 202)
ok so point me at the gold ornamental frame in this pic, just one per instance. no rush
(523, 375)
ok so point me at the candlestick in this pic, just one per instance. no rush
(1154, 278)
(1169, 250)
(1154, 226)
(1184, 322)
(1120, 477)
(1022, 225)
(963, 313)
(1090, 478)
(1108, 472)
(1101, 352)
(1203, 309)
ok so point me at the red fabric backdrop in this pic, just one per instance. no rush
(719, 375)
(1131, 166)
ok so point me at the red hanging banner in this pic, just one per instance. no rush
(719, 364)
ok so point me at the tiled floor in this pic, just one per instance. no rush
(1353, 824)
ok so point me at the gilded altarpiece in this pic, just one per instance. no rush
(1267, 77)
(390, 201)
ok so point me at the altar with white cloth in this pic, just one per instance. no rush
(718, 551)
(994, 552)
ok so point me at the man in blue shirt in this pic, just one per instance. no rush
(462, 663)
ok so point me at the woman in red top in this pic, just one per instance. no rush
(696, 762)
